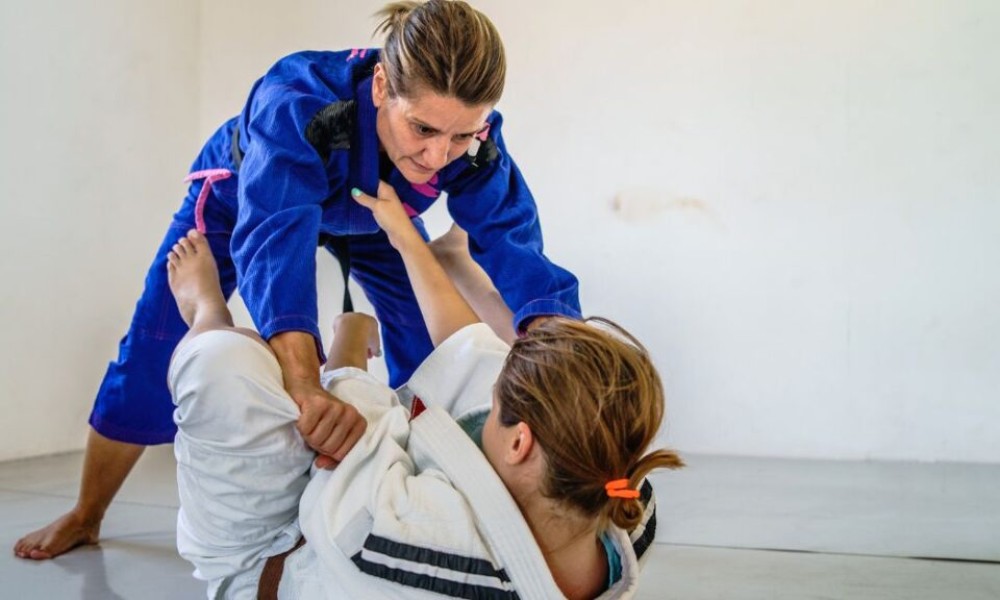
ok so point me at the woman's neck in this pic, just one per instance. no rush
(574, 554)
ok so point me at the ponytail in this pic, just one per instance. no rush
(627, 512)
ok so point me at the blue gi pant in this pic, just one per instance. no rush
(133, 404)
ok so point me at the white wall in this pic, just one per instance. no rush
(809, 232)
(98, 116)
(791, 203)
(807, 225)
(810, 217)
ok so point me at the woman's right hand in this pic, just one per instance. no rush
(328, 425)
(390, 215)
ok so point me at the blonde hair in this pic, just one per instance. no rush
(443, 46)
(594, 402)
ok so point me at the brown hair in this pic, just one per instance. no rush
(594, 402)
(443, 46)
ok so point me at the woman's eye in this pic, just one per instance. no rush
(464, 137)
(423, 129)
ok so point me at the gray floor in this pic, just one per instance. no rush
(730, 528)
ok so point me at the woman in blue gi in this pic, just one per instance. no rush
(514, 472)
(273, 182)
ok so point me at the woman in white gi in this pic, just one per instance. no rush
(495, 472)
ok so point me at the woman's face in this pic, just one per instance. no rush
(423, 133)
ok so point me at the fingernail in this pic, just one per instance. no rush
(355, 192)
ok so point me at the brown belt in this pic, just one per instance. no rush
(270, 577)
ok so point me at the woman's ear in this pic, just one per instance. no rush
(520, 444)
(380, 85)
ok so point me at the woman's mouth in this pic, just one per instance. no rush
(421, 167)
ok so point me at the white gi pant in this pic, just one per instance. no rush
(241, 463)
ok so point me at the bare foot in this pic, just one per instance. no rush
(60, 536)
(194, 282)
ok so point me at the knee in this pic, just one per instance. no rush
(222, 376)
(452, 246)
(210, 357)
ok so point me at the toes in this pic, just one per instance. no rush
(198, 240)
(29, 550)
(187, 245)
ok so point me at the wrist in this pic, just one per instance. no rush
(406, 240)
(305, 392)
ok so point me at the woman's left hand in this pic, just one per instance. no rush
(389, 214)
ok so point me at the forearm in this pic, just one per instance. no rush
(296, 352)
(444, 309)
(478, 290)
(441, 305)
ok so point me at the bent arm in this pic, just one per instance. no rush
(444, 309)
(282, 186)
(493, 204)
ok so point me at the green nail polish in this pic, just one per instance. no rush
(355, 192)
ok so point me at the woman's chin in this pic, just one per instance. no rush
(416, 177)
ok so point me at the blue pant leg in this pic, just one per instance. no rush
(379, 269)
(133, 404)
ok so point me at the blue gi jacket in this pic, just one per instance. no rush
(307, 136)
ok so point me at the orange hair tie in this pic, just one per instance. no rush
(619, 489)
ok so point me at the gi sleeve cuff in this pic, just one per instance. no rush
(542, 308)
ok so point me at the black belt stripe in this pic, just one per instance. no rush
(446, 587)
(341, 248)
(444, 560)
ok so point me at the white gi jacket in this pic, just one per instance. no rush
(415, 510)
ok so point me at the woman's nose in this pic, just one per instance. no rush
(436, 152)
